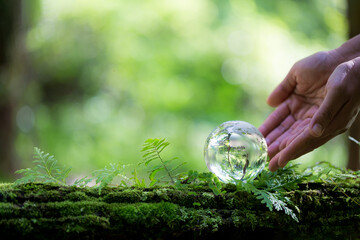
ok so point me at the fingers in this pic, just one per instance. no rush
(297, 128)
(280, 129)
(274, 119)
(286, 138)
(296, 145)
(333, 102)
(273, 164)
(326, 113)
(273, 149)
(335, 99)
(283, 91)
(298, 141)
(301, 145)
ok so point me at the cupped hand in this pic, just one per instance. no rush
(314, 104)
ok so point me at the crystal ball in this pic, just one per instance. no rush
(235, 150)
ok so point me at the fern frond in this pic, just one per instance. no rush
(82, 182)
(279, 204)
(176, 167)
(46, 170)
(271, 200)
(103, 177)
(152, 149)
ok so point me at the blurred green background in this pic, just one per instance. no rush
(94, 79)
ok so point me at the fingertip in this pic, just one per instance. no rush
(280, 93)
(282, 162)
(273, 164)
(316, 130)
(273, 149)
(263, 130)
(286, 155)
(333, 103)
(273, 168)
(272, 101)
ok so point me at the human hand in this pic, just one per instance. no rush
(314, 104)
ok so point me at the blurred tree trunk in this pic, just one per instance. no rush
(11, 64)
(354, 29)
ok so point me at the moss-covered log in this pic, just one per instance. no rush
(47, 211)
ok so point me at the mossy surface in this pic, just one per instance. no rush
(49, 211)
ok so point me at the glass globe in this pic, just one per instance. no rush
(235, 150)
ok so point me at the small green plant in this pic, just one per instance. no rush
(46, 170)
(137, 182)
(271, 199)
(270, 188)
(209, 178)
(152, 150)
(105, 176)
(328, 173)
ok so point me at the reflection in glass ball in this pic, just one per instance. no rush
(235, 150)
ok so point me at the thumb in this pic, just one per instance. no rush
(327, 111)
(282, 91)
(335, 99)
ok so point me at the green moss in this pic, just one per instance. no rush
(6, 186)
(77, 196)
(127, 195)
(54, 228)
(64, 212)
(9, 210)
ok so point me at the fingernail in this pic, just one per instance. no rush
(317, 129)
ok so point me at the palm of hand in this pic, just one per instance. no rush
(297, 100)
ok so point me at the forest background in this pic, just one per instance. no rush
(89, 81)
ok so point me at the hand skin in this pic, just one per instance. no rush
(318, 100)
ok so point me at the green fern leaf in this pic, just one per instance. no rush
(82, 182)
(105, 176)
(152, 150)
(46, 170)
(270, 199)
(136, 180)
